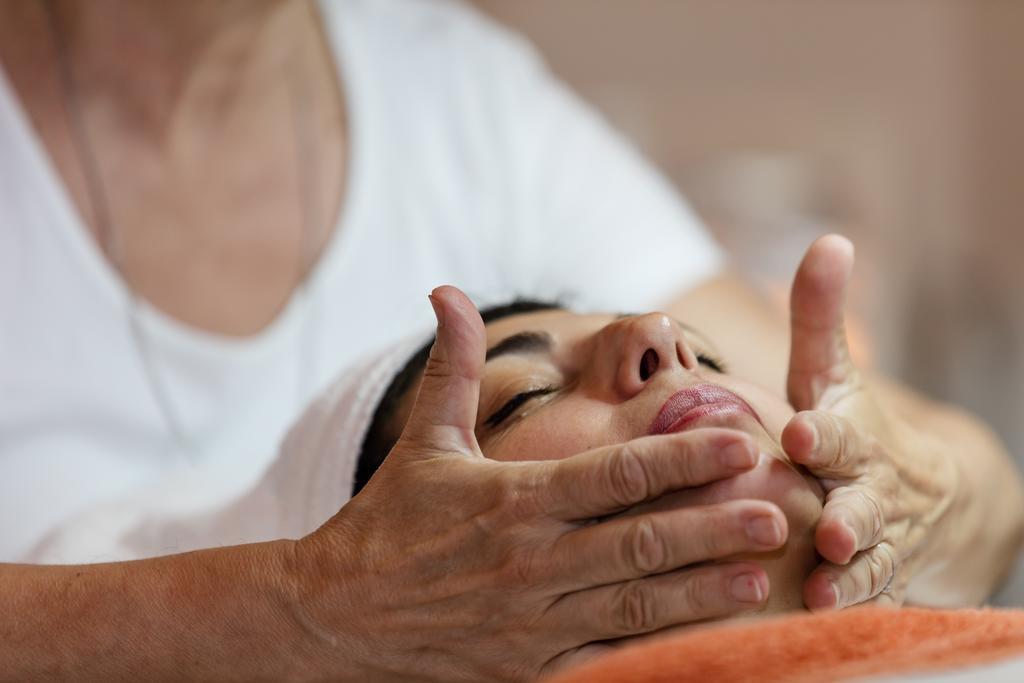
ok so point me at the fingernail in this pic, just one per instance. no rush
(438, 309)
(765, 530)
(831, 598)
(748, 588)
(738, 456)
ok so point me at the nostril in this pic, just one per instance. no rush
(648, 364)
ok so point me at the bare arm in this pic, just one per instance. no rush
(971, 546)
(216, 614)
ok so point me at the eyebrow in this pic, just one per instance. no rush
(521, 342)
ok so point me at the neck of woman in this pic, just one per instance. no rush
(153, 65)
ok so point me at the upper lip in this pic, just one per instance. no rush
(682, 402)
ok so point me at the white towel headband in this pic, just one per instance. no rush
(308, 482)
(318, 458)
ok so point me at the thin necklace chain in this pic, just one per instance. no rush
(112, 243)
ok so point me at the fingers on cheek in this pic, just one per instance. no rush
(799, 439)
(853, 520)
(820, 592)
(835, 540)
(868, 576)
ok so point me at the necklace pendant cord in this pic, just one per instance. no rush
(112, 245)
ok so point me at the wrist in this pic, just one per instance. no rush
(318, 620)
(259, 601)
(948, 497)
(951, 528)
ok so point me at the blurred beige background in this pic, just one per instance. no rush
(896, 122)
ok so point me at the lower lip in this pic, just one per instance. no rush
(706, 410)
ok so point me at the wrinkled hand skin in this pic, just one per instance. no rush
(452, 567)
(888, 486)
(459, 606)
(886, 499)
(797, 495)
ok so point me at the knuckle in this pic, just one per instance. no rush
(637, 608)
(876, 518)
(689, 464)
(852, 586)
(891, 561)
(716, 529)
(881, 568)
(698, 596)
(503, 509)
(645, 549)
(437, 365)
(719, 530)
(841, 443)
(626, 477)
(516, 498)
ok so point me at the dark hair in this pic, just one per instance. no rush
(382, 435)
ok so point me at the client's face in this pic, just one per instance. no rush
(557, 383)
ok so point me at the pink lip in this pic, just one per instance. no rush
(693, 403)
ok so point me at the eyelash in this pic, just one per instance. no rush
(519, 399)
(514, 404)
(716, 364)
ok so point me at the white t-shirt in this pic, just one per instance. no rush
(469, 165)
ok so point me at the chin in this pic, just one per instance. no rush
(799, 497)
(787, 570)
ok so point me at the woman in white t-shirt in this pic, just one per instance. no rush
(207, 210)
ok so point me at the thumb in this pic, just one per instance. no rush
(443, 417)
(819, 358)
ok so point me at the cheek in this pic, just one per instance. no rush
(557, 431)
(798, 497)
(774, 412)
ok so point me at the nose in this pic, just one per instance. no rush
(642, 347)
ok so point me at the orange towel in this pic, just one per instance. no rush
(805, 648)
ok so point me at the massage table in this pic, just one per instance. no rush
(861, 644)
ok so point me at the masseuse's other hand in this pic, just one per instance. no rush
(885, 488)
(451, 567)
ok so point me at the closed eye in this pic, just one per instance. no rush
(715, 364)
(515, 403)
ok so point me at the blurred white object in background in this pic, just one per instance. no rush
(766, 209)
(896, 123)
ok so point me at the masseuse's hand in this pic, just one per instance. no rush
(458, 568)
(886, 487)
